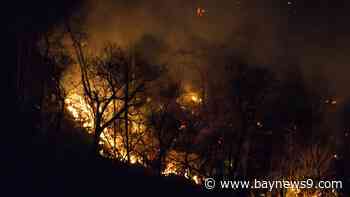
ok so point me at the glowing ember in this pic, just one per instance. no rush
(133, 159)
(200, 11)
(259, 124)
(196, 179)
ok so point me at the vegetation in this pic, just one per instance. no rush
(120, 115)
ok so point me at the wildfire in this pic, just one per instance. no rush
(196, 99)
(113, 142)
(80, 111)
(170, 169)
(190, 99)
(173, 169)
(175, 166)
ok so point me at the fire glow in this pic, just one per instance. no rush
(112, 142)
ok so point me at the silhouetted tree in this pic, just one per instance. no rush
(251, 87)
(113, 76)
(164, 123)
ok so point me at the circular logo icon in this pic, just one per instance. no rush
(209, 183)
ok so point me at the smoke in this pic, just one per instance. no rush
(170, 32)
(259, 32)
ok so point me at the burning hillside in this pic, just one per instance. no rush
(142, 143)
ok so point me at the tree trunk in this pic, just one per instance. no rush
(239, 148)
(60, 117)
(96, 141)
(98, 131)
(114, 131)
(126, 119)
(160, 160)
(245, 155)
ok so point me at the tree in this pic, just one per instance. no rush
(113, 76)
(251, 87)
(164, 123)
(314, 162)
(301, 134)
(56, 58)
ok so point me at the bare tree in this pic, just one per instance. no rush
(164, 124)
(113, 76)
(315, 162)
(57, 59)
(251, 87)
